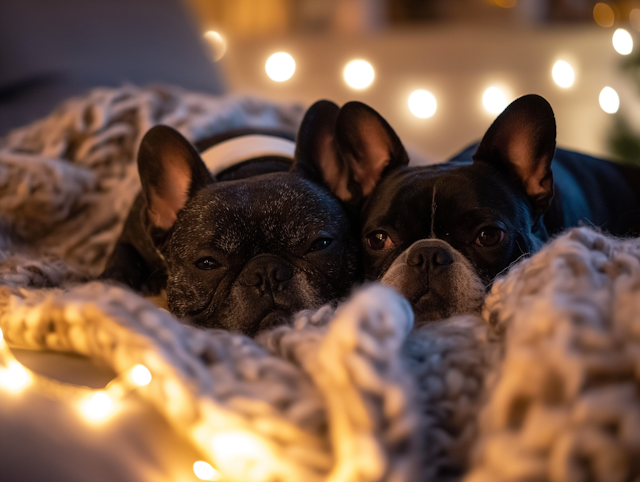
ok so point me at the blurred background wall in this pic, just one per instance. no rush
(454, 49)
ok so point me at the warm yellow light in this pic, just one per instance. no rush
(280, 66)
(494, 100)
(205, 471)
(609, 100)
(217, 43)
(422, 104)
(140, 375)
(563, 74)
(603, 15)
(241, 456)
(622, 41)
(1, 337)
(14, 377)
(359, 74)
(506, 3)
(97, 407)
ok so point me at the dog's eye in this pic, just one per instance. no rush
(320, 244)
(489, 236)
(207, 263)
(379, 240)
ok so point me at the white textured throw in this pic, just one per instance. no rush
(346, 394)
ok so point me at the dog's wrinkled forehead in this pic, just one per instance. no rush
(436, 189)
(279, 210)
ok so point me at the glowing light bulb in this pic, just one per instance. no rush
(622, 42)
(603, 15)
(97, 407)
(14, 378)
(563, 74)
(241, 455)
(422, 104)
(205, 471)
(494, 100)
(140, 375)
(359, 74)
(280, 66)
(609, 100)
(217, 43)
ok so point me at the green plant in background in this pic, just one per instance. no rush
(624, 140)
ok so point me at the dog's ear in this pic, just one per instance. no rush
(171, 171)
(522, 140)
(348, 149)
(368, 146)
(316, 155)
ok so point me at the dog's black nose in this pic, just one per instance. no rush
(263, 271)
(429, 257)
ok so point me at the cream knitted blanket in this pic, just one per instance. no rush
(545, 389)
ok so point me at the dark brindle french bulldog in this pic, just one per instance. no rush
(441, 233)
(244, 252)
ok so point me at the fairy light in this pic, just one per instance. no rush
(280, 66)
(603, 15)
(422, 104)
(622, 42)
(217, 43)
(205, 471)
(609, 100)
(14, 377)
(563, 74)
(240, 455)
(494, 100)
(359, 74)
(97, 407)
(140, 375)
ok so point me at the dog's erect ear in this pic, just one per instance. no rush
(348, 149)
(171, 170)
(523, 140)
(368, 146)
(316, 154)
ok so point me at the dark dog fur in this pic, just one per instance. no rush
(441, 233)
(240, 254)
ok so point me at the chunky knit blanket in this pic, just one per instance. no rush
(543, 386)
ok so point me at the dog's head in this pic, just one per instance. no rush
(441, 233)
(244, 254)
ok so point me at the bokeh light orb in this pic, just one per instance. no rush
(563, 74)
(422, 104)
(494, 100)
(280, 66)
(98, 407)
(622, 42)
(217, 44)
(359, 74)
(609, 100)
(603, 14)
(205, 471)
(141, 375)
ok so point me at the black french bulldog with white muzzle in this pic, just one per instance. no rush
(245, 252)
(441, 233)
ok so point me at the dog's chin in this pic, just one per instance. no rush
(272, 319)
(432, 306)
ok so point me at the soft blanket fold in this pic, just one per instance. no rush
(543, 386)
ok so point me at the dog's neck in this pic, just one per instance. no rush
(229, 153)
